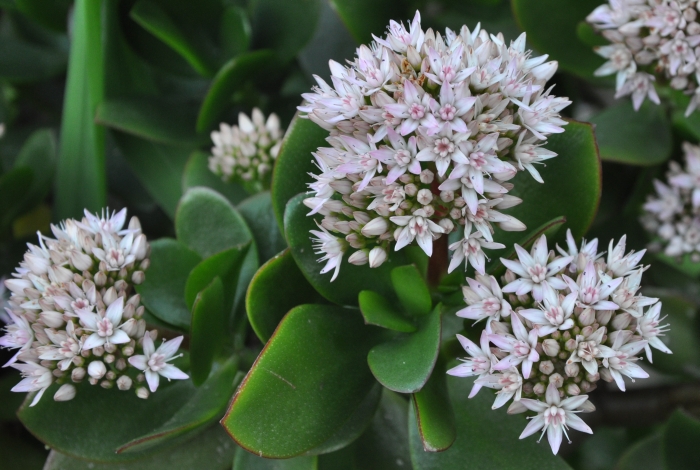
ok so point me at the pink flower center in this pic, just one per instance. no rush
(447, 112)
(105, 328)
(554, 416)
(444, 147)
(156, 362)
(538, 273)
(416, 111)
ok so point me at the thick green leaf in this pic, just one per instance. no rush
(98, 421)
(197, 173)
(684, 264)
(351, 279)
(163, 290)
(405, 363)
(277, 287)
(22, 61)
(411, 290)
(646, 454)
(247, 461)
(207, 222)
(551, 27)
(208, 329)
(13, 183)
(235, 31)
(81, 161)
(363, 18)
(294, 162)
(258, 214)
(233, 75)
(634, 137)
(210, 450)
(225, 265)
(307, 382)
(39, 154)
(158, 167)
(571, 189)
(679, 441)
(206, 405)
(379, 311)
(431, 418)
(489, 438)
(589, 36)
(284, 27)
(151, 119)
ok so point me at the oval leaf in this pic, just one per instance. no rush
(680, 440)
(207, 333)
(431, 416)
(258, 214)
(225, 265)
(411, 290)
(378, 311)
(197, 173)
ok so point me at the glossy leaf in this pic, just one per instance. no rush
(197, 173)
(679, 441)
(488, 437)
(122, 417)
(551, 27)
(363, 18)
(163, 290)
(258, 214)
(277, 287)
(206, 405)
(207, 223)
(226, 265)
(379, 311)
(233, 75)
(151, 119)
(411, 290)
(294, 162)
(212, 449)
(431, 418)
(646, 454)
(351, 279)
(307, 382)
(81, 161)
(405, 363)
(235, 31)
(39, 154)
(208, 330)
(644, 139)
(247, 461)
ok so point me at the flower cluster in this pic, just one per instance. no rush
(246, 153)
(650, 40)
(559, 323)
(672, 215)
(74, 315)
(425, 132)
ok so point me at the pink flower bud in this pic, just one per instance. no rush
(64, 393)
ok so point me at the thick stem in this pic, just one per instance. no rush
(437, 264)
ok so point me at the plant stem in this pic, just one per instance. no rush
(437, 264)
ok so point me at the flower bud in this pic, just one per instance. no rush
(516, 407)
(414, 59)
(77, 374)
(570, 344)
(447, 225)
(424, 196)
(546, 367)
(97, 369)
(447, 196)
(556, 379)
(138, 277)
(134, 223)
(361, 217)
(539, 388)
(594, 377)
(377, 256)
(109, 296)
(100, 279)
(52, 319)
(80, 261)
(511, 224)
(140, 247)
(550, 347)
(106, 384)
(605, 375)
(375, 227)
(341, 186)
(142, 393)
(508, 201)
(410, 189)
(603, 317)
(587, 317)
(359, 258)
(573, 390)
(64, 393)
(621, 321)
(587, 407)
(572, 369)
(587, 386)
(124, 382)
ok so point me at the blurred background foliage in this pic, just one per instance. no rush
(111, 103)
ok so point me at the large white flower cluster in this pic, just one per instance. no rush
(672, 215)
(651, 39)
(560, 323)
(74, 315)
(246, 153)
(425, 132)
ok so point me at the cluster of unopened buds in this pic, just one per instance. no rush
(672, 215)
(245, 153)
(425, 133)
(554, 326)
(74, 316)
(650, 40)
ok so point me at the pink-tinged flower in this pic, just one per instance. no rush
(471, 248)
(509, 384)
(541, 116)
(689, 179)
(105, 224)
(490, 303)
(554, 314)
(588, 350)
(359, 159)
(332, 248)
(626, 294)
(442, 148)
(414, 110)
(65, 347)
(534, 271)
(19, 334)
(401, 157)
(622, 264)
(555, 417)
(154, 362)
(36, 379)
(521, 349)
(581, 256)
(592, 290)
(416, 227)
(106, 329)
(448, 67)
(620, 359)
(648, 327)
(480, 363)
(528, 153)
(640, 86)
(452, 106)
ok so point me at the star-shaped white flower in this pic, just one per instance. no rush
(332, 248)
(416, 227)
(479, 364)
(19, 334)
(107, 328)
(554, 314)
(648, 327)
(521, 348)
(491, 304)
(36, 379)
(154, 362)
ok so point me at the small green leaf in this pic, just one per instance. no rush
(307, 382)
(551, 27)
(646, 454)
(228, 79)
(226, 265)
(152, 119)
(379, 311)
(432, 415)
(197, 173)
(206, 405)
(235, 31)
(207, 331)
(411, 290)
(277, 287)
(351, 279)
(404, 364)
(207, 222)
(162, 291)
(294, 160)
(210, 450)
(634, 137)
(679, 441)
(258, 214)
(363, 18)
(247, 461)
